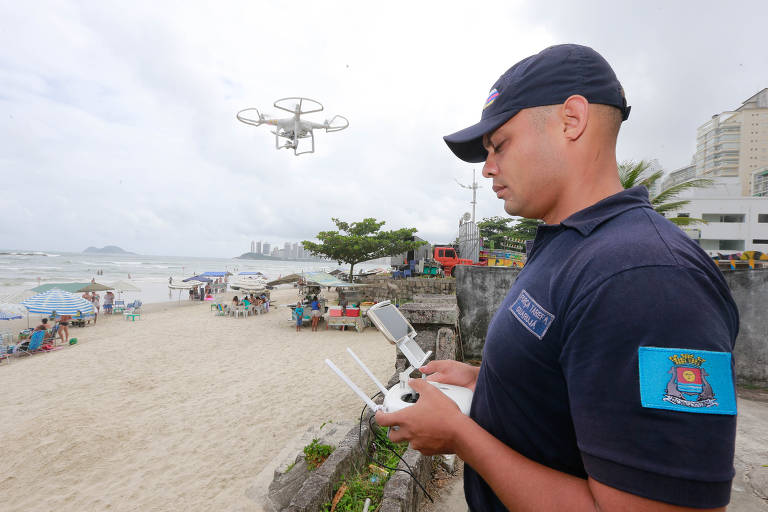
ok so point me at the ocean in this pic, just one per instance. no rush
(22, 270)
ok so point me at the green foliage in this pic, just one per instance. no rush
(361, 241)
(290, 466)
(369, 483)
(316, 453)
(507, 232)
(633, 173)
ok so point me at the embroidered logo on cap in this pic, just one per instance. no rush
(686, 380)
(529, 313)
(491, 98)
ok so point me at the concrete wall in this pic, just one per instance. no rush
(480, 291)
(750, 291)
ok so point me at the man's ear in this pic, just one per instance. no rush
(574, 116)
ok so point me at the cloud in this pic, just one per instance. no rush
(118, 120)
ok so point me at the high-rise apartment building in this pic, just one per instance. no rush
(257, 248)
(267, 246)
(735, 143)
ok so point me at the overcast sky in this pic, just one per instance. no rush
(117, 119)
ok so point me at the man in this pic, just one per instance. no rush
(607, 380)
(109, 300)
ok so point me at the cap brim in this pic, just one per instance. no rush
(467, 144)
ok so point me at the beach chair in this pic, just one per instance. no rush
(220, 311)
(53, 335)
(34, 344)
(5, 353)
(118, 306)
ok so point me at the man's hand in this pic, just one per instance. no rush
(451, 372)
(429, 425)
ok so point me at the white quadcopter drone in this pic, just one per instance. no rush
(293, 128)
(394, 326)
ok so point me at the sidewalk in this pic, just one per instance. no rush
(750, 485)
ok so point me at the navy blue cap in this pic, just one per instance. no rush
(548, 78)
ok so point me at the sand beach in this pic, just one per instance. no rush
(177, 411)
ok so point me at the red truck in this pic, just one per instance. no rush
(448, 258)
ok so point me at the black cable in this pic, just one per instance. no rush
(409, 471)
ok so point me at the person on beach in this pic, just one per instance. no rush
(64, 328)
(607, 380)
(109, 300)
(43, 326)
(235, 301)
(315, 305)
(299, 315)
(95, 300)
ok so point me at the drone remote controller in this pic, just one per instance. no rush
(394, 326)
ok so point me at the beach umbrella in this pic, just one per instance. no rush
(11, 311)
(10, 304)
(63, 303)
(95, 287)
(125, 286)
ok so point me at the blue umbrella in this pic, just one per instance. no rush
(10, 311)
(63, 303)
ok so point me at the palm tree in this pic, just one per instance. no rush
(633, 173)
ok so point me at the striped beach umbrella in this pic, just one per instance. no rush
(63, 303)
(11, 311)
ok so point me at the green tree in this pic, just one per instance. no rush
(633, 173)
(361, 241)
(507, 232)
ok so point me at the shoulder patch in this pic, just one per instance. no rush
(681, 379)
(529, 313)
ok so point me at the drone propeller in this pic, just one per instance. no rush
(336, 123)
(260, 118)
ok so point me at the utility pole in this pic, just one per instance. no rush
(474, 188)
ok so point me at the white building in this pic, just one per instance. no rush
(734, 223)
(735, 143)
(731, 150)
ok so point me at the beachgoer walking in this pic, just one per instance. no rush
(95, 300)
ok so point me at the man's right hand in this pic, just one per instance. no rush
(448, 371)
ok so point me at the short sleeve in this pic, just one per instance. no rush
(647, 361)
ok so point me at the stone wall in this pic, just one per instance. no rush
(385, 288)
(480, 291)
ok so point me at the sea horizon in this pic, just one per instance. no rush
(22, 270)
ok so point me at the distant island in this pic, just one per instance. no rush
(107, 249)
(256, 256)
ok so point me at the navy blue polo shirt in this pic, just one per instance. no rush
(611, 358)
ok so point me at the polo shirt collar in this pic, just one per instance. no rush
(586, 220)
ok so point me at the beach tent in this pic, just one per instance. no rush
(200, 279)
(60, 301)
(182, 285)
(67, 287)
(215, 274)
